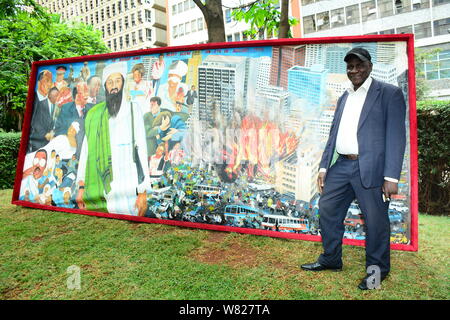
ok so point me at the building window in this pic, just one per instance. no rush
(148, 33)
(405, 29)
(200, 24)
(422, 30)
(174, 9)
(227, 15)
(193, 26)
(148, 16)
(420, 4)
(385, 8)
(186, 5)
(323, 20)
(309, 24)
(402, 6)
(229, 38)
(390, 31)
(368, 11)
(438, 66)
(175, 31)
(438, 2)
(305, 2)
(337, 18)
(187, 28)
(237, 37)
(352, 13)
(181, 30)
(442, 27)
(133, 19)
(180, 7)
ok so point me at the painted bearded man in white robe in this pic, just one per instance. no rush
(107, 173)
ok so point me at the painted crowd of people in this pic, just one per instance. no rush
(91, 135)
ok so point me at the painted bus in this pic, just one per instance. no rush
(281, 223)
(235, 213)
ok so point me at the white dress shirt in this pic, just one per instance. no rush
(347, 136)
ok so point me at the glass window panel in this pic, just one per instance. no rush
(402, 6)
(337, 18)
(422, 30)
(323, 21)
(441, 26)
(444, 54)
(432, 75)
(445, 74)
(352, 13)
(385, 8)
(309, 24)
(368, 10)
(390, 31)
(420, 4)
(438, 2)
(406, 29)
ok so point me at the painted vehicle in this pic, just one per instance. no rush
(235, 213)
(207, 189)
(395, 216)
(399, 206)
(399, 238)
(284, 224)
(354, 220)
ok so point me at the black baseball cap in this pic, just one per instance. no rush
(360, 53)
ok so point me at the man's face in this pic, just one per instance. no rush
(53, 96)
(114, 83)
(137, 77)
(94, 87)
(39, 163)
(358, 71)
(154, 107)
(173, 80)
(45, 83)
(60, 74)
(82, 93)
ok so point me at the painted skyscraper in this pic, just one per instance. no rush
(284, 58)
(308, 83)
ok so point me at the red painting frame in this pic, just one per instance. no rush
(413, 171)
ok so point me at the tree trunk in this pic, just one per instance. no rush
(213, 14)
(284, 20)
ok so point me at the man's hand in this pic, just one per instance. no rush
(79, 198)
(141, 203)
(389, 188)
(321, 181)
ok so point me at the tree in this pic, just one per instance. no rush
(213, 14)
(25, 38)
(265, 17)
(423, 56)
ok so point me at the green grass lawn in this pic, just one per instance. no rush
(127, 260)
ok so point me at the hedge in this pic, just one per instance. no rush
(9, 149)
(434, 157)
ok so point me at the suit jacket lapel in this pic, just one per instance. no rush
(371, 97)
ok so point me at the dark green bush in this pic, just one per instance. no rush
(9, 149)
(433, 128)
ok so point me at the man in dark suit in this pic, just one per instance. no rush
(41, 121)
(74, 111)
(362, 159)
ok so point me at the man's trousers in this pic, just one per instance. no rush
(342, 186)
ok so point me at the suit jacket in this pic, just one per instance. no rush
(41, 124)
(381, 134)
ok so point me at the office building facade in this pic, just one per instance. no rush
(125, 24)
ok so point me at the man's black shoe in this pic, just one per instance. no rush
(316, 266)
(369, 284)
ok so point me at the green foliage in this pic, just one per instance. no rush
(263, 16)
(25, 38)
(434, 156)
(9, 149)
